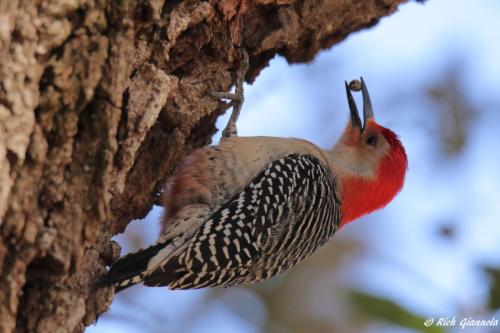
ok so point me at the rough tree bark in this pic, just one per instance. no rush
(98, 101)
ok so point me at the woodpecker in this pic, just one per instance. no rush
(252, 207)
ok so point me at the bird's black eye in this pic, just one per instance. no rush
(372, 141)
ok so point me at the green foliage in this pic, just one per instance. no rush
(494, 295)
(387, 310)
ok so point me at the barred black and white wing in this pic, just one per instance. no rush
(287, 212)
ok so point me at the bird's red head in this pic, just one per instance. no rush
(370, 161)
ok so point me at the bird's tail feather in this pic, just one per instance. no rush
(127, 271)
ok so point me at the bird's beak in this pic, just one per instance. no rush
(367, 107)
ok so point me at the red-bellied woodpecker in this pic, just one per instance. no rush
(252, 207)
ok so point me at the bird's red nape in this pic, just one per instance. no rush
(362, 196)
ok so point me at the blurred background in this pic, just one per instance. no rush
(433, 71)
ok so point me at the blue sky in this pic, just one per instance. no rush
(405, 52)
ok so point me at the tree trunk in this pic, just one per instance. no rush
(98, 102)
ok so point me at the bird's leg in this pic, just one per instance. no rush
(236, 98)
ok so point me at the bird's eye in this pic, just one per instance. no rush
(372, 141)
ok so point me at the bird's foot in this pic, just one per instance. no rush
(236, 98)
